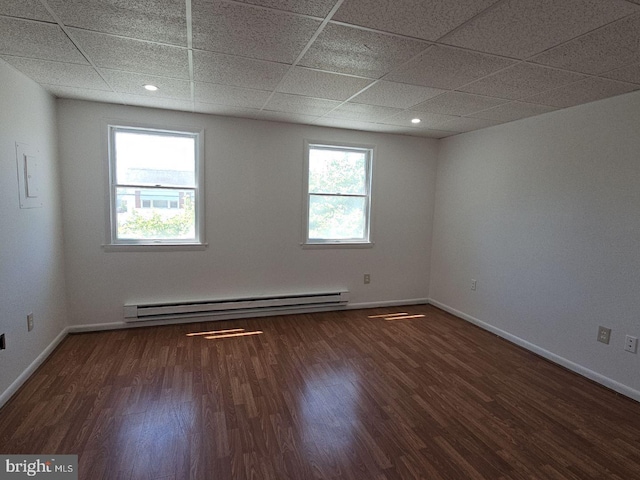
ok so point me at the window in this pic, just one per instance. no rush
(338, 194)
(156, 180)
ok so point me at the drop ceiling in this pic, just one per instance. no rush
(374, 65)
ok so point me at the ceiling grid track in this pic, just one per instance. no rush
(408, 62)
(77, 45)
(439, 42)
(192, 86)
(304, 50)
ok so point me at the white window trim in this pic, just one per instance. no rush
(112, 242)
(335, 243)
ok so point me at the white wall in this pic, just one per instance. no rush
(253, 217)
(31, 251)
(545, 214)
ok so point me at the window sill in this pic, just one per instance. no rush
(154, 247)
(331, 245)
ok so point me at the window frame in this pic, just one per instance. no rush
(366, 241)
(115, 243)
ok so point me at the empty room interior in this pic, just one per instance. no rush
(330, 239)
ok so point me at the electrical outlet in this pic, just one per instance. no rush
(367, 278)
(604, 334)
(30, 322)
(473, 284)
(3, 342)
(631, 344)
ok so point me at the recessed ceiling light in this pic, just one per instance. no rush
(415, 120)
(151, 88)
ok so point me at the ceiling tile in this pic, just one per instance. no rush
(244, 49)
(467, 124)
(318, 8)
(154, 20)
(398, 95)
(133, 55)
(312, 83)
(32, 9)
(585, 91)
(381, 128)
(448, 68)
(250, 31)
(228, 95)
(513, 111)
(282, 102)
(426, 19)
(362, 112)
(630, 73)
(226, 110)
(351, 50)
(57, 73)
(608, 48)
(416, 132)
(353, 124)
(428, 120)
(521, 28)
(457, 103)
(27, 38)
(132, 83)
(83, 94)
(520, 81)
(345, 123)
(167, 103)
(427, 133)
(238, 71)
(286, 117)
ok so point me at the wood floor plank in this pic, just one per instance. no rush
(337, 395)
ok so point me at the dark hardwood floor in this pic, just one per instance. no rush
(333, 395)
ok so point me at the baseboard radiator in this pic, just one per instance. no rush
(240, 306)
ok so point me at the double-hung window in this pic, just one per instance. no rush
(155, 186)
(338, 194)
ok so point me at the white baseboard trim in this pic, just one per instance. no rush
(574, 367)
(390, 303)
(24, 376)
(98, 327)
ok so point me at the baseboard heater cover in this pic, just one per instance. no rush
(145, 312)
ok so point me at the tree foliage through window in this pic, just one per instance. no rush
(154, 225)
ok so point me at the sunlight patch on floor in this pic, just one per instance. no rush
(230, 333)
(396, 316)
